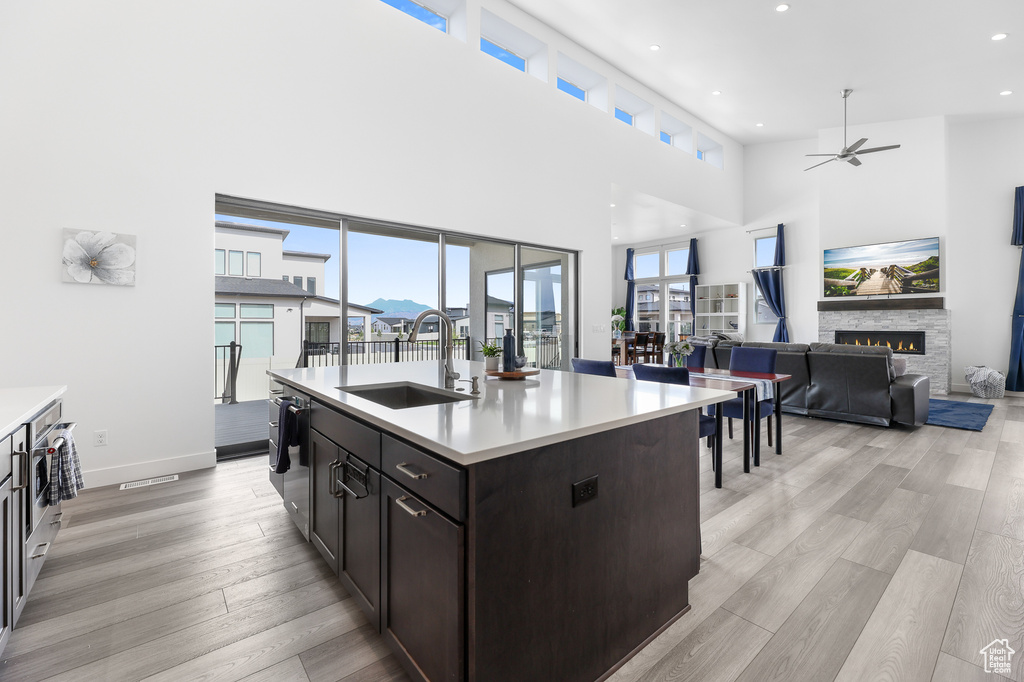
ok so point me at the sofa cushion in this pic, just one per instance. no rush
(849, 386)
(857, 350)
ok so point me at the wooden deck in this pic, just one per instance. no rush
(879, 284)
(241, 425)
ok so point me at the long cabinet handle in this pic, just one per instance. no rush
(411, 474)
(40, 555)
(356, 495)
(401, 503)
(332, 478)
(274, 424)
(23, 471)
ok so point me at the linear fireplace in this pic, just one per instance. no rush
(909, 343)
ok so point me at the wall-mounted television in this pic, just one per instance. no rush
(910, 267)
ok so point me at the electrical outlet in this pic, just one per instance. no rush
(584, 491)
(99, 437)
(598, 328)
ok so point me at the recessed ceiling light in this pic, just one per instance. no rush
(1004, 93)
(716, 92)
(999, 36)
(655, 48)
(782, 8)
(759, 125)
(682, 225)
(614, 237)
(613, 205)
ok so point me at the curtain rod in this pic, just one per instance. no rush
(768, 267)
(759, 229)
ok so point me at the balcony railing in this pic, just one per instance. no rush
(374, 352)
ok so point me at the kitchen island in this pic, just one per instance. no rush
(545, 529)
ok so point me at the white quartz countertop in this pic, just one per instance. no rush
(18, 404)
(508, 416)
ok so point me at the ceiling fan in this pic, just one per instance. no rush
(850, 153)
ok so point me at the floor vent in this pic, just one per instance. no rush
(149, 481)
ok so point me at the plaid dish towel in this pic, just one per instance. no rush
(65, 471)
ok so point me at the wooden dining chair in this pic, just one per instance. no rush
(638, 351)
(656, 348)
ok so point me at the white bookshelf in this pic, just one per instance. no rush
(720, 307)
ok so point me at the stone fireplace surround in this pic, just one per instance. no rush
(891, 315)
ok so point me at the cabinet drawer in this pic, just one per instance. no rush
(361, 440)
(38, 545)
(440, 484)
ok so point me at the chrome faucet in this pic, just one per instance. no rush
(450, 375)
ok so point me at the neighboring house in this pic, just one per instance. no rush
(649, 306)
(392, 325)
(269, 300)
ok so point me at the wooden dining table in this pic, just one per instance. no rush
(727, 380)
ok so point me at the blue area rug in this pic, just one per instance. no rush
(958, 415)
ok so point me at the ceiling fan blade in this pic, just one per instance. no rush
(820, 164)
(856, 145)
(853, 161)
(878, 149)
(819, 154)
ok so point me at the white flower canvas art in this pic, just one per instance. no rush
(99, 257)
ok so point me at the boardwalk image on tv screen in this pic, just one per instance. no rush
(910, 267)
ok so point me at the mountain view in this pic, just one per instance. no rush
(394, 308)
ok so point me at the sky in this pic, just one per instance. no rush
(880, 255)
(379, 267)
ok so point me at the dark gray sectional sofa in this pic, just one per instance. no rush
(834, 381)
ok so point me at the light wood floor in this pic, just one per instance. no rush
(862, 553)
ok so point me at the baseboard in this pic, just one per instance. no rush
(97, 478)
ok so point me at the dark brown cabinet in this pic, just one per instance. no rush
(422, 590)
(345, 524)
(324, 527)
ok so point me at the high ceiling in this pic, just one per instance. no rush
(903, 58)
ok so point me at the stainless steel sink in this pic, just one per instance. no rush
(404, 394)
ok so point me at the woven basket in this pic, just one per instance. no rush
(985, 382)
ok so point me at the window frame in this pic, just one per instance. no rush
(769, 317)
(220, 262)
(558, 84)
(243, 316)
(241, 264)
(248, 263)
(662, 135)
(233, 315)
(447, 21)
(632, 118)
(311, 285)
(526, 62)
(663, 281)
(299, 281)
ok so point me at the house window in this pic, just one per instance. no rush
(499, 328)
(700, 154)
(764, 257)
(665, 137)
(224, 310)
(318, 332)
(573, 89)
(257, 339)
(646, 265)
(678, 259)
(624, 116)
(235, 263)
(223, 333)
(311, 285)
(297, 281)
(218, 261)
(501, 54)
(265, 310)
(284, 277)
(252, 264)
(417, 11)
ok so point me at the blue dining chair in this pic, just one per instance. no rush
(681, 376)
(601, 368)
(697, 357)
(760, 360)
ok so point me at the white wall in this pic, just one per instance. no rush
(131, 119)
(952, 179)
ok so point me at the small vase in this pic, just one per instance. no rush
(678, 360)
(491, 363)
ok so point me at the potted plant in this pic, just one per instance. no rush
(491, 353)
(677, 352)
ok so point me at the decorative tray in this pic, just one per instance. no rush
(517, 374)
